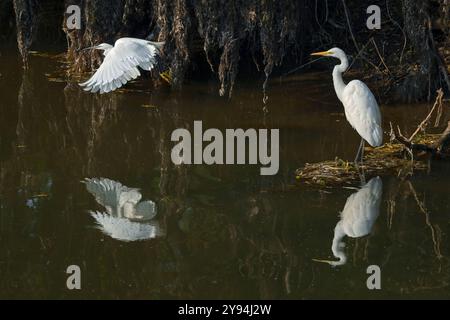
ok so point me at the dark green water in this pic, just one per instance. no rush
(229, 233)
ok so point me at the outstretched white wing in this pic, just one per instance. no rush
(120, 64)
(124, 229)
(105, 191)
(363, 113)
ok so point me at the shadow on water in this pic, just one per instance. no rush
(228, 232)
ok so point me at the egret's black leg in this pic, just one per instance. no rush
(362, 176)
(360, 158)
(360, 149)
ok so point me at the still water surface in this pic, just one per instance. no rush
(225, 231)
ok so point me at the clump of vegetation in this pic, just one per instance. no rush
(388, 159)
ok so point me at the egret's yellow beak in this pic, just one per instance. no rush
(323, 261)
(84, 49)
(322, 53)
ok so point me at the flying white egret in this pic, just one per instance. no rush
(125, 230)
(360, 105)
(360, 212)
(121, 63)
(119, 200)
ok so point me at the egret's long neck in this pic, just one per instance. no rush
(338, 246)
(107, 49)
(339, 84)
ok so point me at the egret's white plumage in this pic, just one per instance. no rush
(362, 112)
(121, 63)
(360, 212)
(119, 200)
(124, 229)
(360, 105)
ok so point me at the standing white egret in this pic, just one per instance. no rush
(121, 63)
(360, 105)
(360, 212)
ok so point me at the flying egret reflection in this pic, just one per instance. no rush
(126, 217)
(361, 107)
(119, 200)
(126, 230)
(357, 218)
(121, 63)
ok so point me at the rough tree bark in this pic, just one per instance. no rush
(428, 74)
(26, 17)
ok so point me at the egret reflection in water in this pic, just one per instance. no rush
(119, 200)
(126, 230)
(125, 215)
(360, 212)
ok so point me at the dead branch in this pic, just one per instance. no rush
(349, 25)
(380, 56)
(399, 137)
(436, 148)
(422, 126)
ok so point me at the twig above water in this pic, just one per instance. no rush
(349, 25)
(380, 56)
(424, 123)
(435, 148)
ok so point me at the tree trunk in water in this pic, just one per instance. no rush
(25, 11)
(428, 74)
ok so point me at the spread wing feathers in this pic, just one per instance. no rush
(146, 209)
(363, 113)
(362, 209)
(110, 193)
(124, 229)
(120, 65)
